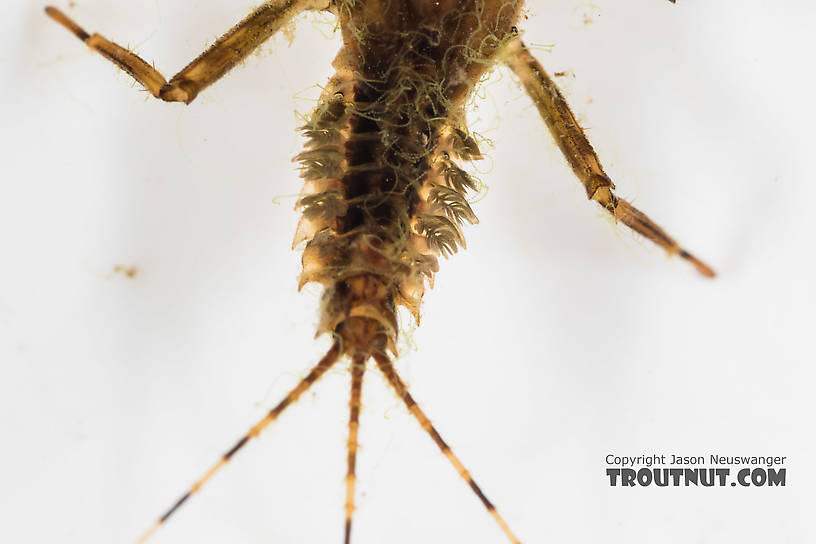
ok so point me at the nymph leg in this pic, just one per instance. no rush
(579, 153)
(222, 56)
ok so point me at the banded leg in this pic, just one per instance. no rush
(357, 371)
(579, 153)
(222, 56)
(387, 368)
(317, 371)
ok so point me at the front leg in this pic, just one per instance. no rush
(222, 56)
(579, 153)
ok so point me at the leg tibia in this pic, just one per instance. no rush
(579, 153)
(229, 50)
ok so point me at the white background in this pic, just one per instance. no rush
(555, 339)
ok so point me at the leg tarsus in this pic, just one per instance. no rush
(579, 153)
(638, 221)
(135, 66)
(67, 22)
(229, 50)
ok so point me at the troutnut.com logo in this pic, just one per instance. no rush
(681, 470)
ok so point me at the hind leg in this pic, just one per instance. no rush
(581, 156)
(221, 57)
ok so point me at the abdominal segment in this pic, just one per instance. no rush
(384, 193)
(382, 198)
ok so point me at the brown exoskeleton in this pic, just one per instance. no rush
(384, 193)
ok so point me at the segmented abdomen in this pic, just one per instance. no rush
(382, 198)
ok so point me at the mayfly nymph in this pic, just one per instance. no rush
(384, 190)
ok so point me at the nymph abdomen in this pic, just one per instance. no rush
(384, 195)
(382, 198)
